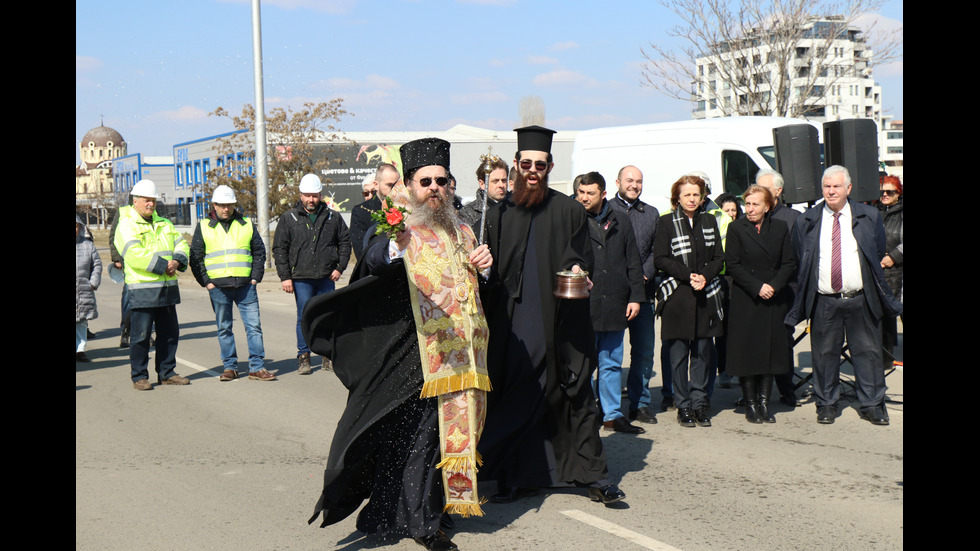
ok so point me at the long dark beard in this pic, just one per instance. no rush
(443, 216)
(527, 197)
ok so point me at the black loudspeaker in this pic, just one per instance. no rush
(853, 144)
(798, 161)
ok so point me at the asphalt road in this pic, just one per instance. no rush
(238, 465)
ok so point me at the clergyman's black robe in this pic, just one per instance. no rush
(386, 445)
(542, 423)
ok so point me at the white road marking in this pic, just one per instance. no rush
(617, 530)
(199, 368)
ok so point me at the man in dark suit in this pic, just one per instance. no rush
(842, 291)
(360, 218)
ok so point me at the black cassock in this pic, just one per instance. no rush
(542, 423)
(386, 445)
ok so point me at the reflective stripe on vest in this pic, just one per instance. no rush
(228, 253)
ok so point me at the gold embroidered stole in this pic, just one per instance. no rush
(452, 333)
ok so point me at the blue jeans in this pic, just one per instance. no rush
(304, 290)
(609, 348)
(142, 322)
(642, 335)
(223, 300)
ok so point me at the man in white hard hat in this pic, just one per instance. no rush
(228, 259)
(153, 251)
(311, 248)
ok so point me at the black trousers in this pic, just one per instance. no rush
(835, 321)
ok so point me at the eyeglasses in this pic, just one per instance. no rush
(889, 192)
(441, 181)
(526, 164)
(366, 193)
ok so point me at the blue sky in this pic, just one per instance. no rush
(154, 70)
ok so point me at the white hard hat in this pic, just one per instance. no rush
(310, 184)
(223, 195)
(145, 188)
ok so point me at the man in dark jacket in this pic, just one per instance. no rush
(312, 248)
(643, 218)
(360, 217)
(493, 186)
(842, 291)
(616, 293)
(228, 259)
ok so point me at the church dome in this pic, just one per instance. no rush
(102, 136)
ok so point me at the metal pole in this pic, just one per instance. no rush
(261, 146)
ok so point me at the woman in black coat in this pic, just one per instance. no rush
(759, 258)
(687, 249)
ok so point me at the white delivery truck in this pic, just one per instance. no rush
(729, 150)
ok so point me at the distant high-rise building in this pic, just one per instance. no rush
(820, 70)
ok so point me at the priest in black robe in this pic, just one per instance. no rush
(387, 448)
(542, 425)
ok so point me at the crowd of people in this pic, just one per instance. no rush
(462, 362)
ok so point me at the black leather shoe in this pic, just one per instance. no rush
(685, 416)
(620, 424)
(643, 415)
(701, 417)
(510, 495)
(752, 414)
(437, 541)
(667, 404)
(607, 494)
(826, 414)
(874, 414)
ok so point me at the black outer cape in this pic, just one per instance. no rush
(368, 329)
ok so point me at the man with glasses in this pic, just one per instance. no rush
(410, 340)
(542, 426)
(360, 218)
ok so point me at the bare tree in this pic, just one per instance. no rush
(767, 57)
(299, 143)
(532, 111)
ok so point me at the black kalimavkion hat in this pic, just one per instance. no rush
(424, 152)
(534, 138)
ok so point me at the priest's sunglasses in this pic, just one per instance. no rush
(441, 181)
(526, 164)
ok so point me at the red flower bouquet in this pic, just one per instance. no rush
(390, 219)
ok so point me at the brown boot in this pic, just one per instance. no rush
(304, 364)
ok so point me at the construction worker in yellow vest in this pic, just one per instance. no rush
(153, 251)
(228, 259)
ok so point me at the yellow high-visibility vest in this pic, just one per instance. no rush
(227, 253)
